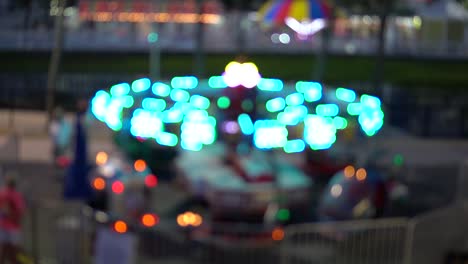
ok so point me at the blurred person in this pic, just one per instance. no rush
(77, 185)
(60, 133)
(11, 212)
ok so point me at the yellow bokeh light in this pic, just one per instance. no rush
(361, 174)
(101, 158)
(349, 171)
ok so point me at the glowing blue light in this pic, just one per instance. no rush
(120, 89)
(217, 82)
(312, 90)
(346, 95)
(319, 132)
(113, 115)
(272, 85)
(141, 85)
(179, 95)
(371, 121)
(275, 105)
(302, 87)
(167, 139)
(370, 101)
(161, 89)
(200, 102)
(294, 146)
(99, 105)
(146, 124)
(354, 109)
(340, 122)
(245, 124)
(187, 82)
(153, 104)
(292, 115)
(172, 116)
(327, 110)
(268, 136)
(196, 115)
(295, 99)
(184, 107)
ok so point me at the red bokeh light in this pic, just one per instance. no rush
(151, 181)
(118, 187)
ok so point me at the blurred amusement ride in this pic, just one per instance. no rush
(248, 148)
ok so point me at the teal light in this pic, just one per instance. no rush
(295, 99)
(340, 122)
(125, 101)
(271, 85)
(200, 101)
(270, 135)
(179, 95)
(292, 115)
(275, 105)
(303, 87)
(161, 89)
(245, 124)
(120, 89)
(294, 146)
(224, 102)
(217, 82)
(99, 105)
(354, 109)
(167, 139)
(146, 124)
(370, 101)
(319, 132)
(346, 95)
(141, 85)
(153, 104)
(153, 37)
(312, 90)
(186, 82)
(172, 116)
(371, 121)
(247, 105)
(327, 110)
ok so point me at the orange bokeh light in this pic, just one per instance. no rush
(101, 158)
(349, 171)
(149, 220)
(139, 165)
(181, 220)
(277, 234)
(197, 221)
(99, 184)
(361, 174)
(120, 227)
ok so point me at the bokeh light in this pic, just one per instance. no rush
(139, 165)
(149, 220)
(99, 184)
(277, 234)
(336, 190)
(120, 227)
(118, 187)
(361, 174)
(349, 171)
(101, 158)
(151, 181)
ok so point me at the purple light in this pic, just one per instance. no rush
(231, 127)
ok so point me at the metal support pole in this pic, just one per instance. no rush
(155, 53)
(199, 65)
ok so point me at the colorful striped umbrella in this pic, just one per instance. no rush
(274, 12)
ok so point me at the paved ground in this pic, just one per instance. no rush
(42, 184)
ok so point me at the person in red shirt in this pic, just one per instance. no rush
(11, 213)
